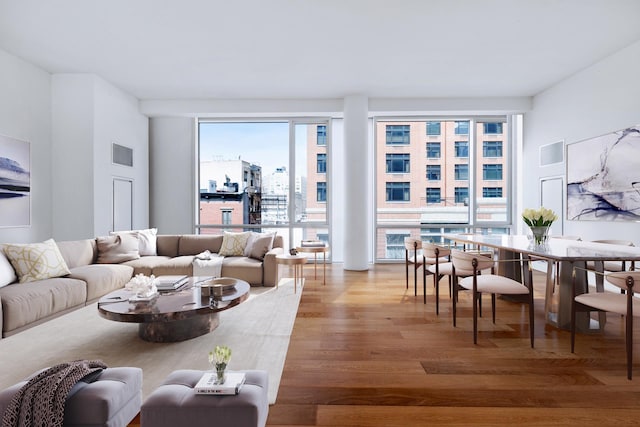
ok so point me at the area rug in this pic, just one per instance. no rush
(257, 331)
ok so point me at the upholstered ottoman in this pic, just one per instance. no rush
(112, 399)
(174, 403)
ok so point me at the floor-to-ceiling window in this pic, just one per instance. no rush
(265, 175)
(440, 175)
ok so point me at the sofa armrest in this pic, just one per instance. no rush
(270, 267)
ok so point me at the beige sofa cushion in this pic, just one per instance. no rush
(167, 244)
(247, 269)
(193, 244)
(102, 278)
(175, 266)
(117, 248)
(146, 264)
(27, 303)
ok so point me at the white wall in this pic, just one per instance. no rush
(600, 99)
(172, 168)
(25, 113)
(89, 114)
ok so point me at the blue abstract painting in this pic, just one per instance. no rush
(15, 183)
(603, 177)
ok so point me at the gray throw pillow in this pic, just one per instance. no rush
(118, 248)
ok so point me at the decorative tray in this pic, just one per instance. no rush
(218, 286)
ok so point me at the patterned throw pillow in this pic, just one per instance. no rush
(36, 261)
(233, 244)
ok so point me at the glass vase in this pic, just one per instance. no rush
(220, 372)
(540, 235)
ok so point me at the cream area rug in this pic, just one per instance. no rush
(257, 331)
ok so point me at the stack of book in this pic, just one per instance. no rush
(169, 283)
(312, 244)
(232, 384)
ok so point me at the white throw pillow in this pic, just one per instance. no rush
(36, 261)
(233, 244)
(147, 240)
(7, 273)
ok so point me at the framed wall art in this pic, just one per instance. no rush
(603, 177)
(15, 182)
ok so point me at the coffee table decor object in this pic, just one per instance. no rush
(143, 288)
(219, 358)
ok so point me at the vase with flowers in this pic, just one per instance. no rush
(539, 221)
(219, 358)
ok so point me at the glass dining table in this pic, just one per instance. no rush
(515, 251)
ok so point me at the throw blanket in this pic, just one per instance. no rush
(207, 264)
(40, 402)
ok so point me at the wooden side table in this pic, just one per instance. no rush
(316, 250)
(297, 261)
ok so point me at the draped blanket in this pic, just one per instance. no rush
(40, 402)
(207, 264)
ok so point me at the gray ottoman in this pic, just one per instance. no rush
(174, 403)
(112, 399)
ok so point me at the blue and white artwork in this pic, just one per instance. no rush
(603, 177)
(15, 183)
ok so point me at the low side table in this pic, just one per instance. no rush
(316, 250)
(297, 261)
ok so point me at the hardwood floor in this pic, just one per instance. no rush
(366, 352)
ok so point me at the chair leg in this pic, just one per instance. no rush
(406, 268)
(573, 325)
(629, 344)
(454, 299)
(436, 284)
(531, 317)
(475, 317)
(424, 284)
(493, 308)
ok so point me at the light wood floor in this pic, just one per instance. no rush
(367, 352)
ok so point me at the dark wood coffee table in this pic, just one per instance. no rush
(173, 315)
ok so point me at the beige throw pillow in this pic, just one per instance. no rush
(233, 244)
(259, 244)
(117, 248)
(36, 261)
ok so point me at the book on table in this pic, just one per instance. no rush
(312, 244)
(170, 282)
(232, 384)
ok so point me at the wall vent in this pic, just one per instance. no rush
(551, 154)
(122, 155)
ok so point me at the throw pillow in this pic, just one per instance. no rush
(117, 248)
(259, 244)
(233, 244)
(36, 261)
(147, 240)
(7, 273)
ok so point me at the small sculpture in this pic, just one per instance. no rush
(293, 252)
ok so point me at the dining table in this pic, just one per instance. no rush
(566, 261)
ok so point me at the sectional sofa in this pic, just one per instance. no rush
(90, 275)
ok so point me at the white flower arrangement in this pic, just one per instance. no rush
(142, 286)
(542, 217)
(220, 355)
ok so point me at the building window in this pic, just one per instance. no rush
(461, 172)
(398, 191)
(461, 148)
(491, 192)
(461, 195)
(398, 163)
(321, 191)
(321, 132)
(433, 172)
(433, 195)
(226, 216)
(394, 248)
(398, 134)
(321, 162)
(461, 128)
(492, 148)
(433, 128)
(492, 128)
(433, 150)
(492, 172)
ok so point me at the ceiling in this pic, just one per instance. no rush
(296, 49)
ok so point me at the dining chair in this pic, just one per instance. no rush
(613, 266)
(434, 256)
(412, 244)
(488, 283)
(606, 301)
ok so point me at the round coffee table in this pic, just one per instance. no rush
(173, 315)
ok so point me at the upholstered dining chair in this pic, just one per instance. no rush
(434, 256)
(611, 266)
(488, 283)
(605, 301)
(413, 259)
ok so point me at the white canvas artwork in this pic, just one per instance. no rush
(15, 182)
(603, 177)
